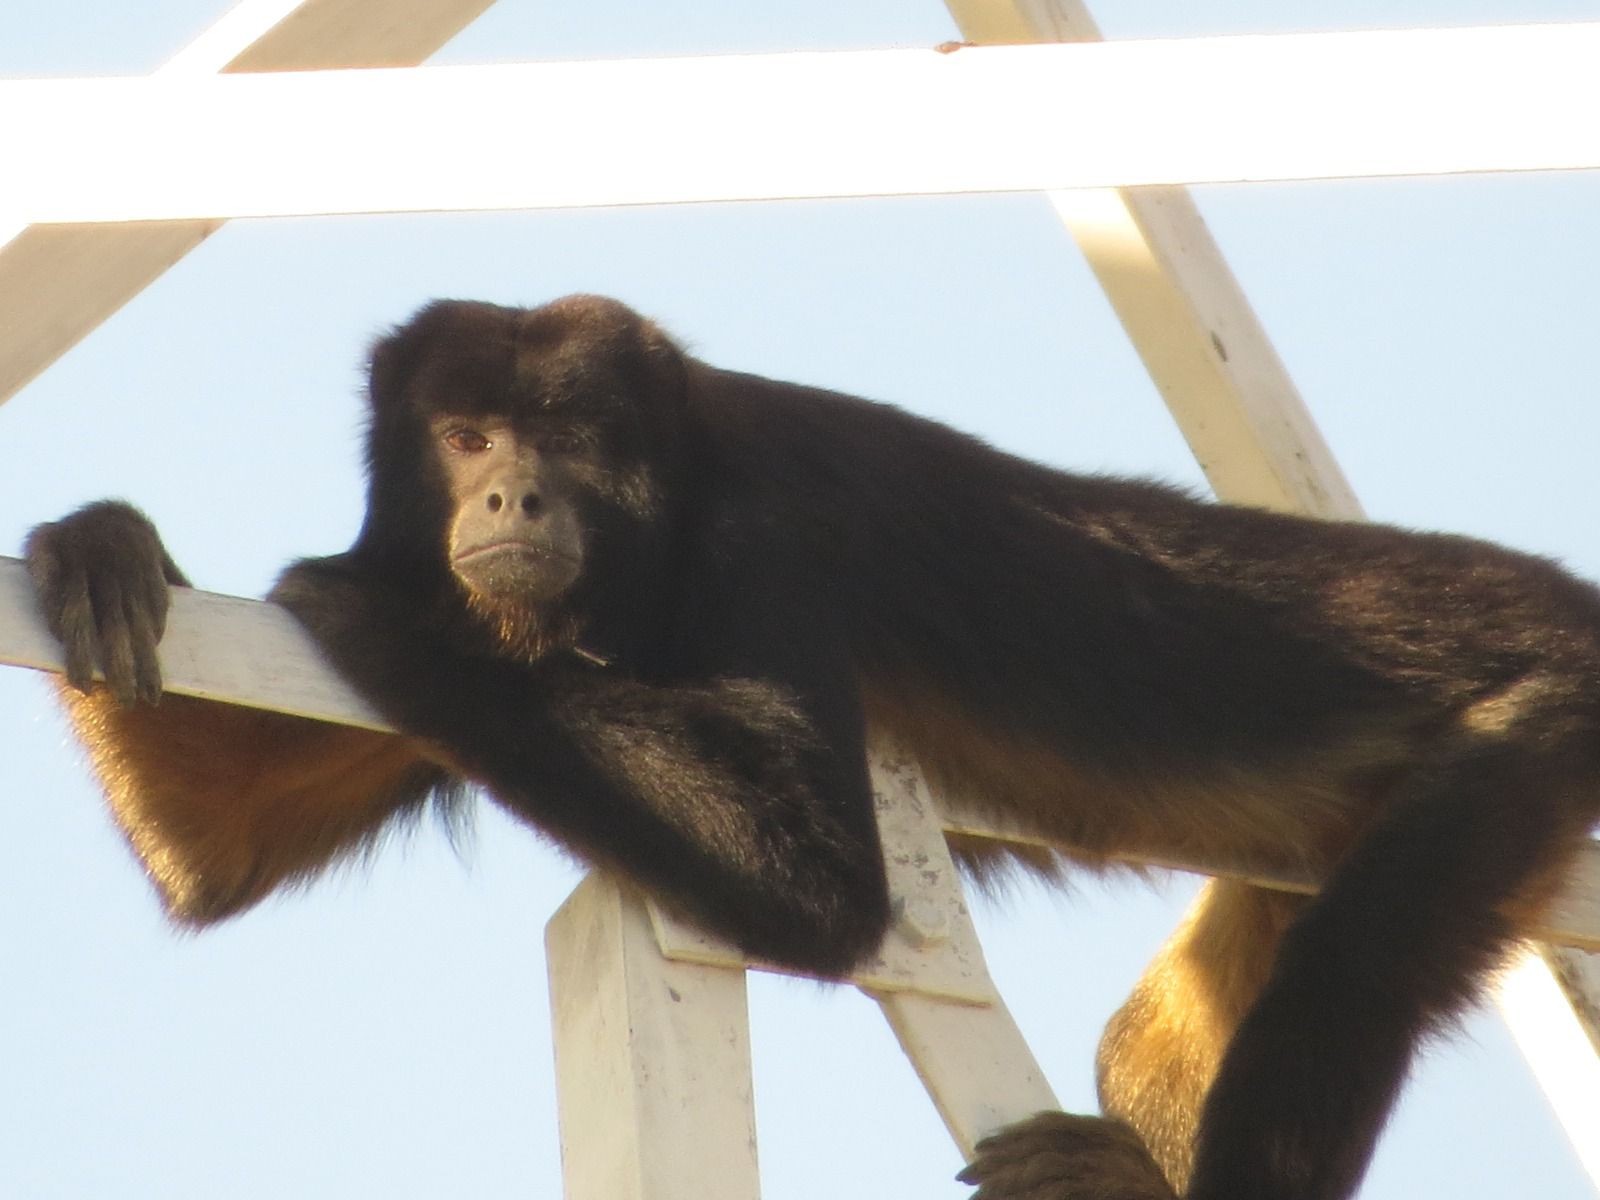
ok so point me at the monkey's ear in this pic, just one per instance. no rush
(391, 363)
(398, 356)
(665, 360)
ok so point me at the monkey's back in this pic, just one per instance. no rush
(1103, 656)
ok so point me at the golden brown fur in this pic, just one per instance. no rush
(1162, 1048)
(223, 803)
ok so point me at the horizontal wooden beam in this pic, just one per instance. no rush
(248, 652)
(216, 647)
(1004, 118)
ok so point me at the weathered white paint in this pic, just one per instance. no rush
(974, 1063)
(216, 647)
(652, 1059)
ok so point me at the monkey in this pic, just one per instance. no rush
(650, 607)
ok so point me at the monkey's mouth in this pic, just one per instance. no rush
(513, 549)
(513, 570)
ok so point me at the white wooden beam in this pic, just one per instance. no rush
(216, 647)
(974, 1062)
(59, 282)
(322, 35)
(248, 652)
(1186, 315)
(1548, 1000)
(652, 1059)
(1255, 440)
(802, 125)
(1571, 919)
(1206, 352)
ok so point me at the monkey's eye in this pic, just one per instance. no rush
(467, 441)
(562, 441)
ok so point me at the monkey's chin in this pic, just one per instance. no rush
(516, 574)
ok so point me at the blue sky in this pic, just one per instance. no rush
(386, 1031)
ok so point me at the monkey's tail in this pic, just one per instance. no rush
(1162, 1049)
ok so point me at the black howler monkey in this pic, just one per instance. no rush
(650, 605)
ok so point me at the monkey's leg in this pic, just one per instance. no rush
(1162, 1049)
(1390, 950)
(1157, 1060)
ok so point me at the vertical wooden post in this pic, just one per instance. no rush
(652, 1059)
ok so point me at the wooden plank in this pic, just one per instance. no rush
(807, 125)
(60, 282)
(932, 948)
(216, 647)
(652, 1059)
(1572, 918)
(1257, 444)
(1205, 350)
(974, 1063)
(1543, 989)
(1185, 313)
(322, 35)
(248, 652)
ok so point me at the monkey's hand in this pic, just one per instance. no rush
(101, 576)
(1057, 1156)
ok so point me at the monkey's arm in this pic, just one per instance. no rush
(221, 803)
(734, 790)
(726, 799)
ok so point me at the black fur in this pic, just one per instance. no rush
(765, 567)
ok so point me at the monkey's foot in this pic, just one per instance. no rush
(1057, 1156)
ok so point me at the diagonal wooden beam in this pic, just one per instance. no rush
(1184, 311)
(59, 283)
(1252, 435)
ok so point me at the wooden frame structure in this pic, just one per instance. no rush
(611, 955)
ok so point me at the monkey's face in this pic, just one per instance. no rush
(529, 453)
(515, 537)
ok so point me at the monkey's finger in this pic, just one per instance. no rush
(1050, 1177)
(146, 665)
(1056, 1154)
(115, 639)
(1041, 1178)
(44, 569)
(70, 614)
(155, 596)
(1011, 1185)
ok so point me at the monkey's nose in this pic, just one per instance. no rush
(528, 502)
